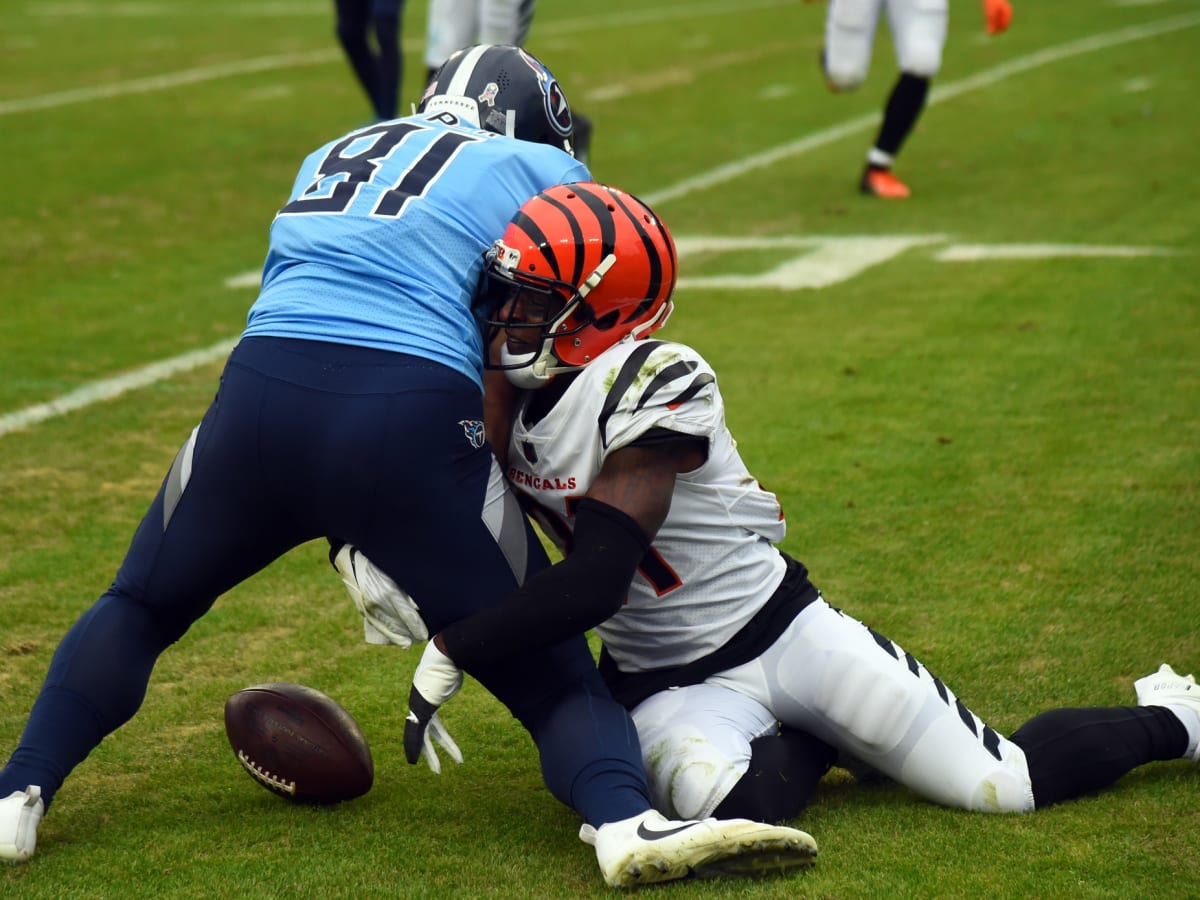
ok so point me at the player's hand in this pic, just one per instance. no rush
(436, 680)
(997, 15)
(390, 614)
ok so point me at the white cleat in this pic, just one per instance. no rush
(649, 848)
(20, 814)
(1166, 687)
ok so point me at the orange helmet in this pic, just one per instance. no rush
(604, 265)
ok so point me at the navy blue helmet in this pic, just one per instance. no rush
(502, 89)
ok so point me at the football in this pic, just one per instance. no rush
(299, 743)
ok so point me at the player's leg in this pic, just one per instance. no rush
(591, 761)
(831, 676)
(919, 34)
(351, 28)
(1072, 752)
(587, 743)
(849, 33)
(212, 524)
(696, 745)
(386, 20)
(784, 771)
(505, 21)
(712, 751)
(863, 693)
(450, 25)
(1076, 751)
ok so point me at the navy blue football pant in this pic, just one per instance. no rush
(306, 440)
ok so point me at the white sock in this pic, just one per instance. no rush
(1191, 721)
(877, 157)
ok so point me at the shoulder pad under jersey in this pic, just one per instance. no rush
(655, 384)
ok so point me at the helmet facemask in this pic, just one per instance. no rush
(536, 315)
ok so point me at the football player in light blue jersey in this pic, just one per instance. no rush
(352, 409)
(381, 243)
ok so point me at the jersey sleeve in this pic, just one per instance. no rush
(660, 385)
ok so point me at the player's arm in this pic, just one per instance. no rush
(614, 525)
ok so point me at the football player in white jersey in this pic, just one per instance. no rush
(919, 34)
(711, 634)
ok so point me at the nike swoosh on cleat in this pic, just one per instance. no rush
(647, 835)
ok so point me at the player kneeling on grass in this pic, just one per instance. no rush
(734, 665)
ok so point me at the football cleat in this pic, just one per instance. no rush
(882, 183)
(20, 814)
(649, 848)
(1166, 687)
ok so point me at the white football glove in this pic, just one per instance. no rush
(435, 681)
(390, 615)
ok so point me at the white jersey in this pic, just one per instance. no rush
(713, 563)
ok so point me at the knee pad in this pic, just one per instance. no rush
(949, 767)
(922, 58)
(842, 78)
(872, 703)
(688, 775)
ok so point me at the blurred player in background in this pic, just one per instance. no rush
(352, 406)
(919, 35)
(454, 24)
(379, 67)
(712, 634)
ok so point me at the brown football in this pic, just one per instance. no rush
(299, 743)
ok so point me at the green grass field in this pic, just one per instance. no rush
(980, 408)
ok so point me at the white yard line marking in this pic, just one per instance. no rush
(170, 80)
(983, 79)
(975, 252)
(825, 261)
(820, 261)
(113, 387)
(323, 56)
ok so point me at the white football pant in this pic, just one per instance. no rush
(454, 24)
(918, 34)
(830, 676)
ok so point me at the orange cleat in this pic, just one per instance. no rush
(882, 183)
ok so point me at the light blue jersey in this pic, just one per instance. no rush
(381, 243)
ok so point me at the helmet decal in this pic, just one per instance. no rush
(489, 94)
(558, 110)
